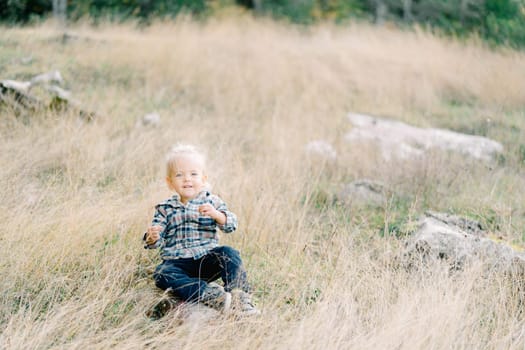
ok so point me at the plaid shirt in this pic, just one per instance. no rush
(186, 233)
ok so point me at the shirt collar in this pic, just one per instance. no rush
(175, 199)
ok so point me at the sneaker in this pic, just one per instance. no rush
(243, 304)
(215, 297)
(163, 306)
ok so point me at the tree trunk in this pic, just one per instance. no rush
(257, 6)
(463, 11)
(381, 11)
(407, 10)
(60, 12)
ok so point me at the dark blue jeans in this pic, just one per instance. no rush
(188, 277)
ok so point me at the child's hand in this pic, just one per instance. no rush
(153, 234)
(209, 210)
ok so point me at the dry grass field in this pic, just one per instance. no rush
(75, 197)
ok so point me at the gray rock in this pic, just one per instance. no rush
(150, 119)
(468, 225)
(322, 149)
(199, 314)
(399, 140)
(459, 242)
(363, 192)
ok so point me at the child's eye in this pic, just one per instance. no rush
(178, 175)
(194, 174)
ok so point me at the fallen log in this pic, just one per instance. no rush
(17, 95)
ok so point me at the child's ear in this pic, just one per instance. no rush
(169, 183)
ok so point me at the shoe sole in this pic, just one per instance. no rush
(248, 313)
(161, 309)
(227, 302)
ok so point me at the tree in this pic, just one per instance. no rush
(381, 11)
(407, 10)
(60, 12)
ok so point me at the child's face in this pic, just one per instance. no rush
(187, 178)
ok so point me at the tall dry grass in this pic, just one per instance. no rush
(75, 197)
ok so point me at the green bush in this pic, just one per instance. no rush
(13, 11)
(21, 11)
(505, 31)
(299, 11)
(142, 9)
(497, 21)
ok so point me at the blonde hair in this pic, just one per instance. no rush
(183, 150)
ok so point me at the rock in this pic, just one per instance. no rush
(26, 60)
(184, 312)
(199, 314)
(150, 119)
(363, 192)
(470, 226)
(459, 242)
(322, 149)
(399, 140)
